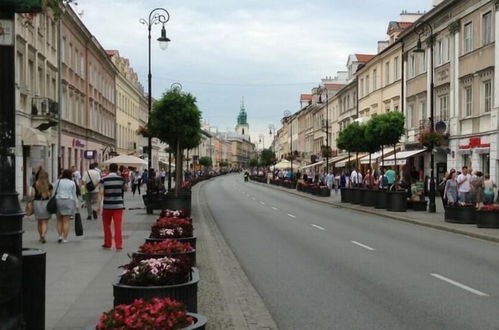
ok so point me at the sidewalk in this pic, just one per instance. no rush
(433, 220)
(80, 273)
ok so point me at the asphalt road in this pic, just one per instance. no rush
(319, 267)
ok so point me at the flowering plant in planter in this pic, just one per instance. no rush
(165, 247)
(431, 138)
(172, 228)
(159, 313)
(463, 205)
(154, 272)
(172, 214)
(490, 208)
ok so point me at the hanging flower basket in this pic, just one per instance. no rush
(431, 139)
(326, 151)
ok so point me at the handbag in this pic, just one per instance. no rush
(52, 203)
(90, 184)
(78, 225)
(29, 209)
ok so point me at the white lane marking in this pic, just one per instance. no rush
(363, 245)
(253, 198)
(262, 203)
(459, 285)
(318, 227)
(292, 216)
(275, 208)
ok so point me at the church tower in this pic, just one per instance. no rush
(242, 126)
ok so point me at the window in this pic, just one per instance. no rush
(422, 110)
(375, 85)
(396, 71)
(487, 96)
(423, 63)
(485, 158)
(412, 66)
(439, 52)
(487, 28)
(468, 101)
(387, 73)
(467, 160)
(468, 38)
(410, 116)
(443, 106)
(361, 87)
(367, 84)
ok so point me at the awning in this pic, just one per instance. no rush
(376, 157)
(337, 159)
(402, 157)
(312, 165)
(33, 137)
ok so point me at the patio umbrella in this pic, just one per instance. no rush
(127, 161)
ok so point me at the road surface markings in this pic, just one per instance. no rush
(363, 245)
(275, 208)
(459, 285)
(262, 203)
(253, 198)
(318, 227)
(292, 216)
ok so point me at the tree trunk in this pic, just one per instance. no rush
(178, 168)
(382, 158)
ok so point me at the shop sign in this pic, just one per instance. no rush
(90, 154)
(77, 143)
(475, 142)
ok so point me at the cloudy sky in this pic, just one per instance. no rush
(267, 51)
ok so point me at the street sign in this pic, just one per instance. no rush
(23, 6)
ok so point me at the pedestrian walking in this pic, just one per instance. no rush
(40, 193)
(488, 190)
(450, 191)
(66, 199)
(111, 196)
(162, 176)
(136, 179)
(464, 186)
(91, 179)
(477, 184)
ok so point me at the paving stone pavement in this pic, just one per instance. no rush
(80, 273)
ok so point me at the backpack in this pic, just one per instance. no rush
(90, 184)
(384, 181)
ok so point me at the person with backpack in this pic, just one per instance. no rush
(91, 179)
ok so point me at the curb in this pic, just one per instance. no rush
(386, 215)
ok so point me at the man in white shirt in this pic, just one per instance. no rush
(353, 178)
(464, 186)
(359, 178)
(329, 180)
(92, 175)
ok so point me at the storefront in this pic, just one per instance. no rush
(475, 153)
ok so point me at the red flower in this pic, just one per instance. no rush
(166, 247)
(172, 228)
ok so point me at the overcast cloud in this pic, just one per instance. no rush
(267, 51)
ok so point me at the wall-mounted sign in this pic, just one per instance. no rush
(6, 32)
(78, 143)
(90, 154)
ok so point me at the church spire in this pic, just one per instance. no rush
(242, 118)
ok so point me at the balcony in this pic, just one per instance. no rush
(44, 107)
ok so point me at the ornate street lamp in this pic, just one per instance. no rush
(425, 29)
(325, 124)
(287, 114)
(156, 16)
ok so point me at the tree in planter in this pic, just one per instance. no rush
(267, 157)
(205, 161)
(176, 120)
(372, 143)
(253, 162)
(392, 130)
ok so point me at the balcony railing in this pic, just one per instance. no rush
(41, 106)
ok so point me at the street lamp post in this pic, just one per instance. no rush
(287, 115)
(326, 123)
(178, 87)
(424, 28)
(156, 16)
(272, 132)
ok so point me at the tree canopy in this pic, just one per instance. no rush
(351, 138)
(205, 161)
(267, 157)
(253, 162)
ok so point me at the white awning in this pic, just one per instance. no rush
(312, 165)
(402, 157)
(33, 137)
(337, 159)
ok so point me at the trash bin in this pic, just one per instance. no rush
(34, 272)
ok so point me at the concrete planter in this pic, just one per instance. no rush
(463, 215)
(191, 255)
(200, 324)
(487, 219)
(191, 240)
(380, 199)
(184, 292)
(396, 201)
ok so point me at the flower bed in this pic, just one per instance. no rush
(159, 313)
(172, 228)
(163, 277)
(166, 248)
(457, 213)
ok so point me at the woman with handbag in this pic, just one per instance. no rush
(41, 192)
(66, 199)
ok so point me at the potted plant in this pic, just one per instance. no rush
(430, 138)
(155, 314)
(179, 229)
(460, 213)
(158, 277)
(488, 216)
(166, 248)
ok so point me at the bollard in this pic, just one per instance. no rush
(34, 271)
